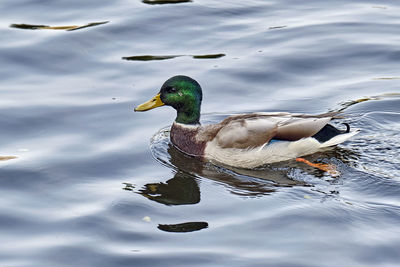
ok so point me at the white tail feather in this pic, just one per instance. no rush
(339, 138)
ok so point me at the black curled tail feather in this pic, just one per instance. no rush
(329, 131)
(347, 127)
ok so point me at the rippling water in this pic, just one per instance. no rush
(95, 184)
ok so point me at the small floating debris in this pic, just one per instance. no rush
(387, 78)
(4, 158)
(164, 57)
(350, 103)
(331, 169)
(277, 27)
(163, 2)
(380, 7)
(28, 26)
(183, 227)
(46, 27)
(388, 95)
(89, 25)
(146, 219)
(360, 100)
(128, 186)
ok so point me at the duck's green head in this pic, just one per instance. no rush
(183, 94)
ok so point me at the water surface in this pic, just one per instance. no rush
(95, 184)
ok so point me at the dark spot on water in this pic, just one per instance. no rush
(277, 27)
(28, 26)
(164, 57)
(208, 56)
(149, 57)
(183, 227)
(162, 2)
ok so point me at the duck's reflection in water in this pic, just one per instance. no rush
(183, 227)
(182, 189)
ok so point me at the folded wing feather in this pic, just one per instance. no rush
(246, 133)
(255, 131)
(297, 128)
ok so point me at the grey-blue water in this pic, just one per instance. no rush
(95, 184)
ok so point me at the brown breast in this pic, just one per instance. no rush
(184, 138)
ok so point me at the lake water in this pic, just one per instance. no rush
(95, 184)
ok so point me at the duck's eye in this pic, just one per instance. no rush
(171, 90)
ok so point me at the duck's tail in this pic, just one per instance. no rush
(330, 136)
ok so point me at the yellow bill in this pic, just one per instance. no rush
(152, 103)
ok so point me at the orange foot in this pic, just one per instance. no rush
(331, 169)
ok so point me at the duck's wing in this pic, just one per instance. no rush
(296, 128)
(246, 133)
(254, 130)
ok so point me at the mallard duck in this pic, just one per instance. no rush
(244, 140)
